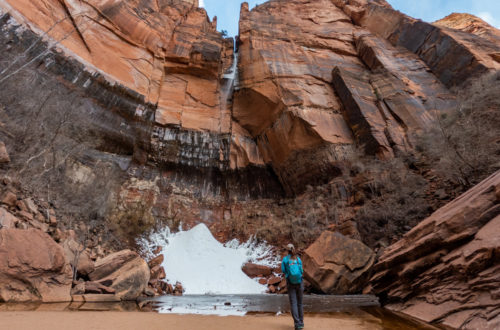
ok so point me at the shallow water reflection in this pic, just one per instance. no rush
(362, 311)
(243, 304)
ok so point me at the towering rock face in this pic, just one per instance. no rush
(151, 85)
(166, 51)
(452, 55)
(313, 85)
(182, 131)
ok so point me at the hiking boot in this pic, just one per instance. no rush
(299, 327)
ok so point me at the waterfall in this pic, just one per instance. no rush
(205, 266)
(229, 83)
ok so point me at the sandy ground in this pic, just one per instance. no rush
(153, 321)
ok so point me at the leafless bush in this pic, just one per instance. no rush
(466, 147)
(49, 131)
(395, 201)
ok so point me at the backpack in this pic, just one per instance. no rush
(295, 271)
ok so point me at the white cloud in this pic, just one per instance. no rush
(488, 17)
(202, 3)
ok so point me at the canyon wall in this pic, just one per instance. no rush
(146, 103)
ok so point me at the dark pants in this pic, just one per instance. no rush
(295, 294)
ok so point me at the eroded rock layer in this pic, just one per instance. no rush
(170, 54)
(447, 269)
(315, 80)
(147, 102)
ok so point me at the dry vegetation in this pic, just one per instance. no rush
(465, 149)
(51, 137)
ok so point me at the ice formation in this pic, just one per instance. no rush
(205, 266)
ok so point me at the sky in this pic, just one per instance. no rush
(228, 11)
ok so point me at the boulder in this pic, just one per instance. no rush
(32, 267)
(158, 273)
(25, 215)
(31, 205)
(21, 206)
(157, 250)
(446, 270)
(84, 264)
(158, 260)
(274, 280)
(335, 264)
(254, 270)
(178, 289)
(9, 198)
(7, 220)
(127, 272)
(39, 225)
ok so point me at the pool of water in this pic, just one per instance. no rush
(364, 309)
(245, 304)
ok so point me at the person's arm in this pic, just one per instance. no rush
(283, 267)
(301, 268)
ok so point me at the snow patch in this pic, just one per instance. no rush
(205, 266)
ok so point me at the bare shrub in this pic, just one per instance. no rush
(465, 148)
(395, 201)
(51, 135)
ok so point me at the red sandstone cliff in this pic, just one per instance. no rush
(316, 78)
(313, 85)
(167, 51)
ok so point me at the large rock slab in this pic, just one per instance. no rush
(284, 98)
(335, 264)
(446, 270)
(32, 267)
(124, 271)
(306, 120)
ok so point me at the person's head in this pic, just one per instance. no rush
(291, 249)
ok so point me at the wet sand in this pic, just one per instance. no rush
(153, 321)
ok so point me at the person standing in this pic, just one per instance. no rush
(291, 266)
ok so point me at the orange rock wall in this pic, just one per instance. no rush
(168, 51)
(315, 80)
(314, 85)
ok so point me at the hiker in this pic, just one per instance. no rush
(291, 266)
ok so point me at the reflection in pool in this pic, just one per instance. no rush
(364, 310)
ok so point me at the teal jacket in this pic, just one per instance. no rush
(285, 266)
